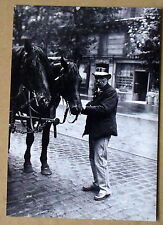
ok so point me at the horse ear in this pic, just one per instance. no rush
(27, 46)
(63, 63)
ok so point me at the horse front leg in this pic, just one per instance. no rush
(27, 156)
(45, 170)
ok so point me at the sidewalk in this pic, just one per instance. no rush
(138, 109)
(137, 131)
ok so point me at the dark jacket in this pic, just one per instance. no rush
(101, 119)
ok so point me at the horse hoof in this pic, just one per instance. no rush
(28, 168)
(46, 171)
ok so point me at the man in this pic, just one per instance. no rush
(100, 125)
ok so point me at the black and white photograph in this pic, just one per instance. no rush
(84, 113)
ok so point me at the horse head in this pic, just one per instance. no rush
(71, 81)
(34, 73)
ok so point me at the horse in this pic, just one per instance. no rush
(64, 82)
(29, 69)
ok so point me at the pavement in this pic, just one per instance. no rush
(137, 128)
(133, 177)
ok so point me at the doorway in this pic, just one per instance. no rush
(140, 85)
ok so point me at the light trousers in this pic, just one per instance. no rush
(98, 152)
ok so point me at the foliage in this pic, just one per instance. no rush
(144, 32)
(144, 36)
(61, 30)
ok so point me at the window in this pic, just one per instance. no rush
(116, 44)
(124, 76)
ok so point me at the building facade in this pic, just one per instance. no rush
(130, 75)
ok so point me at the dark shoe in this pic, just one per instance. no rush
(101, 196)
(91, 188)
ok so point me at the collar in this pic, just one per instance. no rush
(104, 88)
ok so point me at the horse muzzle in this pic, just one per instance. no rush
(75, 110)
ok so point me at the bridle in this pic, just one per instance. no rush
(67, 110)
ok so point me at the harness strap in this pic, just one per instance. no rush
(65, 115)
(57, 78)
(34, 94)
(30, 112)
(76, 117)
(22, 122)
(35, 110)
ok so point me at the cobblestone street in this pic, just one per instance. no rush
(133, 180)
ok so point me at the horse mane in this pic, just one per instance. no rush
(45, 62)
(73, 69)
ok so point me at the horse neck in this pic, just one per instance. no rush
(45, 68)
(54, 82)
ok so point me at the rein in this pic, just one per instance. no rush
(76, 117)
(65, 115)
